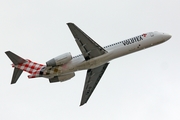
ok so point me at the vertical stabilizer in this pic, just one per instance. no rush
(16, 60)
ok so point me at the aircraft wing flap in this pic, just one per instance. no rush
(92, 78)
(88, 46)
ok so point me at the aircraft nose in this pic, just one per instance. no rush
(166, 36)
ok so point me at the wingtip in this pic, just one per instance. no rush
(7, 52)
(12, 83)
(82, 103)
(69, 23)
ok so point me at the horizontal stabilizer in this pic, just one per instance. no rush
(16, 74)
(15, 58)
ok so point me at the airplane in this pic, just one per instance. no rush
(94, 59)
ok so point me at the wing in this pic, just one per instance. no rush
(92, 78)
(88, 46)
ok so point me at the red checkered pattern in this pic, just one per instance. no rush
(30, 67)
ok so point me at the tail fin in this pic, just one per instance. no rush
(21, 65)
(16, 60)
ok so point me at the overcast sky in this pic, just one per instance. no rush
(141, 86)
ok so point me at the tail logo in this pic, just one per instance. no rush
(21, 65)
(29, 66)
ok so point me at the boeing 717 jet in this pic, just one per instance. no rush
(94, 59)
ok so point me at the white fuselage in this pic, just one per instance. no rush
(113, 51)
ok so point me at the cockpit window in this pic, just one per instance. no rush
(151, 34)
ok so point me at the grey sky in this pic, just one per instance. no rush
(140, 86)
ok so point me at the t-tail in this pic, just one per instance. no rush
(21, 65)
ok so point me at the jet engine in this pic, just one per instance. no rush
(62, 78)
(59, 60)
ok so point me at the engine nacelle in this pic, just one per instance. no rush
(62, 78)
(59, 60)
